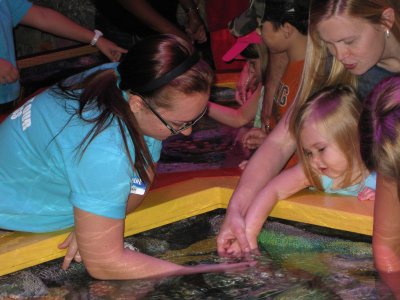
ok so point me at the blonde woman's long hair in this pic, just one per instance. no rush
(322, 69)
(336, 110)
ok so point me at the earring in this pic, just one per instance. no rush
(387, 33)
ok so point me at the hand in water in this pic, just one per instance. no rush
(72, 250)
(231, 240)
(221, 267)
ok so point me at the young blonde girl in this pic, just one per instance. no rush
(328, 149)
(256, 55)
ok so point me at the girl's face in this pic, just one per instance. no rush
(322, 151)
(183, 110)
(357, 44)
(273, 38)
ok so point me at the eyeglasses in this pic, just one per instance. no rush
(184, 126)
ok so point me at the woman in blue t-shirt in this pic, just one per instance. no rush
(82, 153)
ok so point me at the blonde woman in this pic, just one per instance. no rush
(362, 38)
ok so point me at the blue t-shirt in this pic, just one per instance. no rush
(43, 175)
(353, 190)
(11, 13)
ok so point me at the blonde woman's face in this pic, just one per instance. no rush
(357, 44)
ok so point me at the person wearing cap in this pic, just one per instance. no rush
(251, 48)
(248, 80)
(248, 21)
(82, 153)
(284, 30)
(14, 12)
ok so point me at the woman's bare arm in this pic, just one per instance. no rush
(100, 242)
(386, 234)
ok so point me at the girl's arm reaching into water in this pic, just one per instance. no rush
(282, 186)
(266, 163)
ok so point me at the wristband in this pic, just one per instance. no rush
(97, 35)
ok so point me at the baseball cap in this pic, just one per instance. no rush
(278, 10)
(247, 21)
(241, 43)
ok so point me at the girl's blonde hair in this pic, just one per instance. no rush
(258, 51)
(336, 110)
(320, 68)
(380, 128)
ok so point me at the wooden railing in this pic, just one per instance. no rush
(46, 58)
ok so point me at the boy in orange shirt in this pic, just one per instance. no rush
(284, 30)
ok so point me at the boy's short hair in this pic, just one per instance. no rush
(295, 12)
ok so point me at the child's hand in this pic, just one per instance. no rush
(366, 194)
(253, 138)
(234, 250)
(72, 250)
(246, 85)
(110, 49)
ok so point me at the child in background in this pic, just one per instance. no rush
(380, 128)
(249, 80)
(247, 47)
(328, 147)
(284, 30)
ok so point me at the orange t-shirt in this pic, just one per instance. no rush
(287, 90)
(285, 95)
